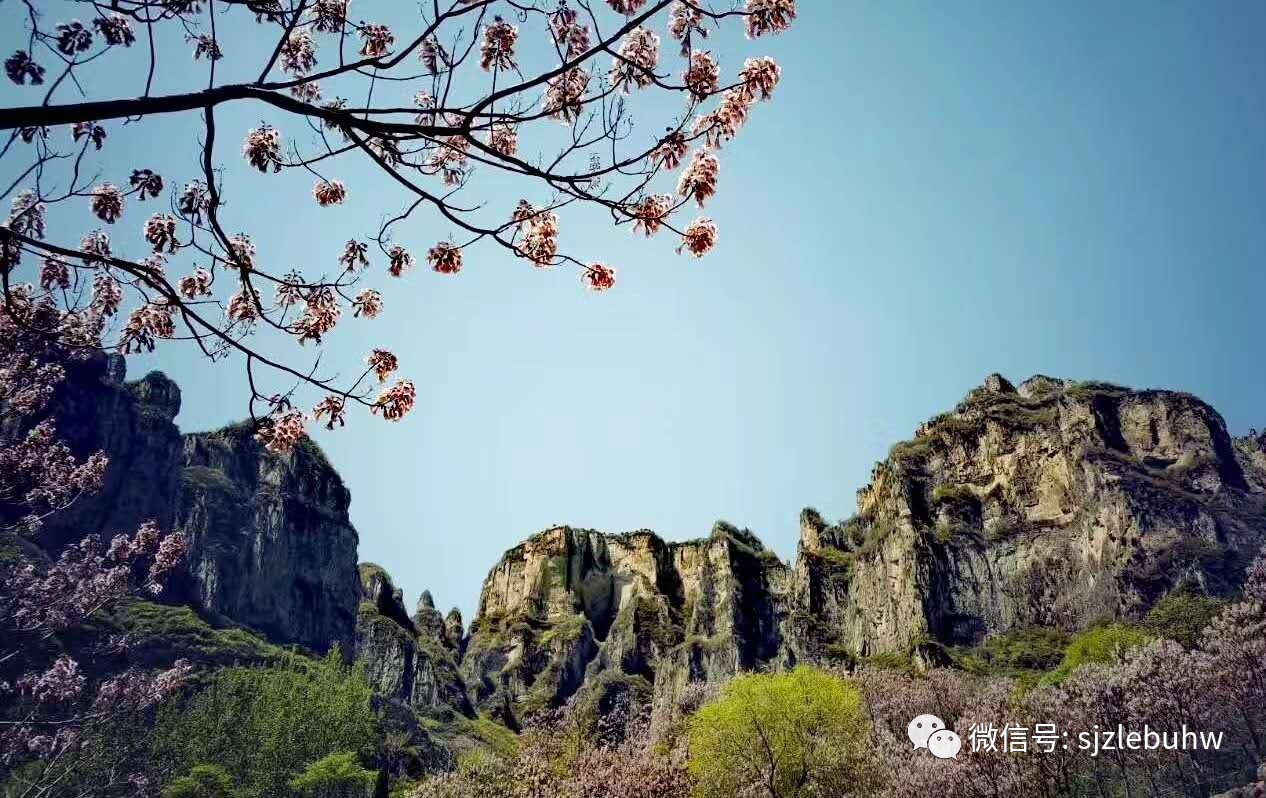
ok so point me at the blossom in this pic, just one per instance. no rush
(333, 407)
(144, 325)
(321, 312)
(298, 53)
(307, 92)
(20, 68)
(426, 102)
(73, 37)
(289, 290)
(279, 435)
(702, 75)
(206, 47)
(700, 178)
(146, 182)
(683, 21)
(354, 256)
(160, 232)
(107, 294)
(431, 54)
(570, 35)
(95, 246)
(769, 16)
(400, 261)
(377, 40)
(194, 201)
(450, 159)
(724, 123)
(564, 98)
(90, 131)
(598, 277)
(242, 305)
(196, 285)
(368, 303)
(650, 213)
(382, 363)
(27, 215)
(329, 192)
(262, 148)
(54, 273)
(760, 76)
(396, 402)
(626, 7)
(540, 234)
(61, 682)
(116, 29)
(445, 258)
(504, 139)
(107, 202)
(329, 16)
(671, 150)
(497, 50)
(242, 252)
(699, 238)
(637, 57)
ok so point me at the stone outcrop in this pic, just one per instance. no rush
(271, 545)
(1054, 504)
(409, 660)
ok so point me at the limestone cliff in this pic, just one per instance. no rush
(1056, 504)
(272, 547)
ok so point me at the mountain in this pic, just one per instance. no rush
(1055, 504)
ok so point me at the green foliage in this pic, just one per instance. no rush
(1103, 645)
(265, 724)
(203, 781)
(1182, 617)
(943, 494)
(335, 776)
(906, 451)
(183, 632)
(1015, 654)
(798, 734)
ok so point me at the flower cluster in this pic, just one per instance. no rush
(769, 16)
(700, 178)
(396, 402)
(539, 232)
(497, 51)
(281, 433)
(699, 237)
(160, 232)
(145, 325)
(571, 36)
(684, 21)
(445, 258)
(321, 312)
(355, 256)
(197, 284)
(368, 303)
(146, 183)
(399, 260)
(376, 40)
(73, 37)
(329, 192)
(116, 29)
(298, 53)
(564, 99)
(702, 75)
(107, 202)
(504, 139)
(329, 16)
(262, 148)
(598, 277)
(636, 60)
(382, 363)
(651, 212)
(333, 409)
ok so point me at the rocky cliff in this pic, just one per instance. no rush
(271, 544)
(1054, 504)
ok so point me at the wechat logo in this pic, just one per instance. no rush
(928, 731)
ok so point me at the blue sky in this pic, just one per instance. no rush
(938, 191)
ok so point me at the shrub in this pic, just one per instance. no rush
(203, 781)
(335, 776)
(795, 734)
(1103, 645)
(265, 724)
(1182, 617)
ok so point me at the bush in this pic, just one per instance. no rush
(264, 725)
(335, 776)
(795, 734)
(1182, 617)
(1103, 645)
(203, 781)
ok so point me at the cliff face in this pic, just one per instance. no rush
(271, 544)
(1056, 504)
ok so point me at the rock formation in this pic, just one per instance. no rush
(1056, 504)
(271, 544)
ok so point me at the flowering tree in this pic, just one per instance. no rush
(536, 92)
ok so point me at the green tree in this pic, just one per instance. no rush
(203, 781)
(335, 776)
(787, 735)
(265, 724)
(1102, 645)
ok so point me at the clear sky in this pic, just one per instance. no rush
(939, 191)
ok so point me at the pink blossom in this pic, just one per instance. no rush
(564, 98)
(769, 16)
(242, 252)
(432, 54)
(329, 16)
(539, 231)
(400, 261)
(206, 46)
(383, 363)
(145, 324)
(685, 20)
(445, 258)
(196, 285)
(333, 409)
(699, 238)
(329, 192)
(396, 402)
(73, 37)
(54, 273)
(700, 178)
(160, 232)
(571, 36)
(638, 56)
(377, 40)
(702, 75)
(194, 201)
(497, 50)
(760, 76)
(242, 305)
(262, 148)
(504, 139)
(368, 303)
(671, 150)
(280, 435)
(147, 183)
(90, 131)
(107, 294)
(20, 67)
(298, 53)
(598, 277)
(107, 202)
(626, 7)
(116, 29)
(354, 257)
(321, 313)
(27, 216)
(650, 213)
